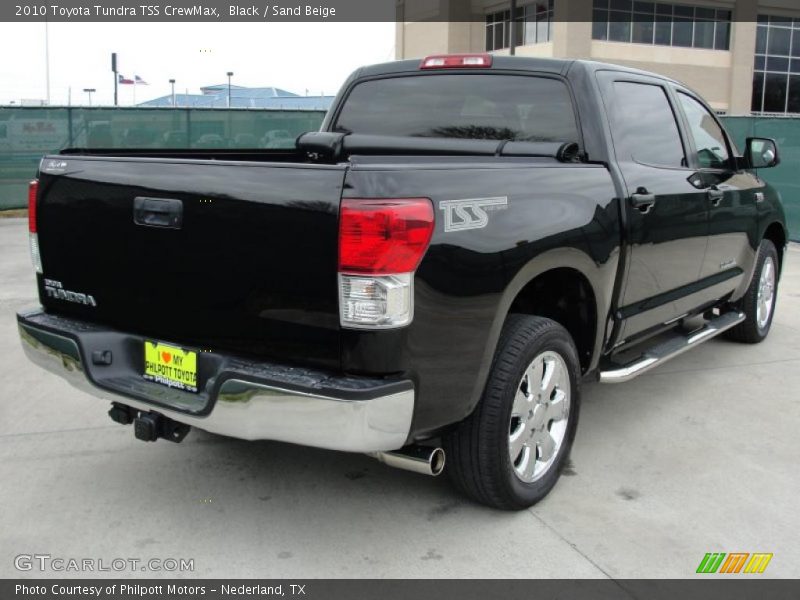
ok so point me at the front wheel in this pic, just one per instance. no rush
(758, 302)
(509, 453)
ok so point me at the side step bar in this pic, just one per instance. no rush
(670, 348)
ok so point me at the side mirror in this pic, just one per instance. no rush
(761, 153)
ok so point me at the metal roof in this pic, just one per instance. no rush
(216, 96)
(222, 88)
(214, 101)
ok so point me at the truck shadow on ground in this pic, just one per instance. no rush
(275, 470)
(216, 470)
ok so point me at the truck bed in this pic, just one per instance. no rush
(237, 154)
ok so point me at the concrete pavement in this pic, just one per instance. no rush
(698, 456)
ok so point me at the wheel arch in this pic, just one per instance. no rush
(573, 305)
(776, 233)
(568, 266)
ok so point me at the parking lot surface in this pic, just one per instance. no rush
(700, 455)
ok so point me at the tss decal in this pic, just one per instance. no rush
(470, 213)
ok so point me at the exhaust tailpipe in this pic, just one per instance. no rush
(425, 460)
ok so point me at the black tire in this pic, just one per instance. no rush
(749, 331)
(478, 449)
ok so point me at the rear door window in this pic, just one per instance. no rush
(644, 127)
(466, 106)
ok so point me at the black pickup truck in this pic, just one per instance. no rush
(432, 274)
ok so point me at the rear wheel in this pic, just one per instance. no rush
(758, 302)
(509, 453)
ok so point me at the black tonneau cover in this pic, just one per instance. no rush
(333, 146)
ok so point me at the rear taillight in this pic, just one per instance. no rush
(381, 243)
(457, 61)
(384, 237)
(33, 190)
(33, 236)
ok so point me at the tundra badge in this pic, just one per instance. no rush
(54, 289)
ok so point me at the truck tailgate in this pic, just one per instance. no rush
(249, 267)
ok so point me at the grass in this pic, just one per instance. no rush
(13, 213)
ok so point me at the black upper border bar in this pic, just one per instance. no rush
(268, 11)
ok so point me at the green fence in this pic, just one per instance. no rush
(26, 133)
(786, 176)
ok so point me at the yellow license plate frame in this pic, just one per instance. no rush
(170, 366)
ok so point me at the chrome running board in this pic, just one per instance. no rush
(670, 348)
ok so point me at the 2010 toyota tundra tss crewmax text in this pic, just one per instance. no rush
(430, 275)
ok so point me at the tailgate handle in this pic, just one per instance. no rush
(158, 212)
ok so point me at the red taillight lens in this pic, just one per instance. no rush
(33, 190)
(383, 237)
(457, 61)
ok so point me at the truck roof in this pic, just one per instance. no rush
(520, 63)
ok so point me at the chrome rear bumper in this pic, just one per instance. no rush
(368, 416)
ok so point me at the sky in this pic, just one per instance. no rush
(297, 57)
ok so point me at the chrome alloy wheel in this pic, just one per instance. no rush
(766, 293)
(539, 416)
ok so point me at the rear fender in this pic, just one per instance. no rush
(600, 278)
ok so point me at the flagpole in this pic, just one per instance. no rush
(47, 57)
(134, 90)
(116, 77)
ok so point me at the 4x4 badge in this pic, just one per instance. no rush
(54, 166)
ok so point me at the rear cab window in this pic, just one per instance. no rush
(465, 106)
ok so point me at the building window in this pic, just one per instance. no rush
(662, 24)
(776, 77)
(532, 25)
(497, 30)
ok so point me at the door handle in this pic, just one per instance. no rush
(715, 195)
(643, 200)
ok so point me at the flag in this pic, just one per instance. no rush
(122, 80)
(139, 80)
